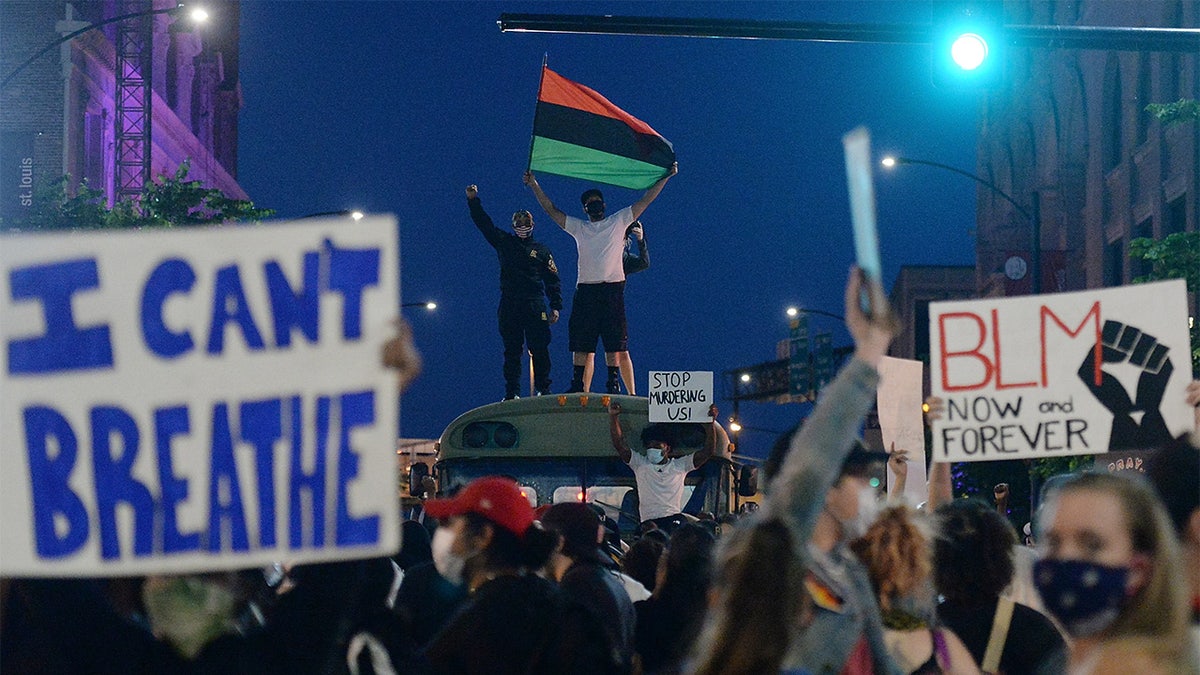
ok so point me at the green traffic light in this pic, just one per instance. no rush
(969, 51)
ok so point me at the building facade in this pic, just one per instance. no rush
(1068, 135)
(119, 104)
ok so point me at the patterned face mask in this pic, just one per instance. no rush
(1085, 597)
(522, 223)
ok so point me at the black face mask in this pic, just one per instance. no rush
(594, 207)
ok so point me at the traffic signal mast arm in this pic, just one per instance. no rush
(1118, 38)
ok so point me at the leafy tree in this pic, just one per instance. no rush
(170, 201)
(1176, 256)
(1170, 114)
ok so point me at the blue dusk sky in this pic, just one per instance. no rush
(394, 107)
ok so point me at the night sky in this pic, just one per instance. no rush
(394, 107)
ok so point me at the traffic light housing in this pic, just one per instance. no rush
(968, 44)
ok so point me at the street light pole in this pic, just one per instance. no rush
(1034, 217)
(90, 27)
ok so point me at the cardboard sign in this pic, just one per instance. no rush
(901, 421)
(1064, 374)
(197, 399)
(859, 178)
(680, 396)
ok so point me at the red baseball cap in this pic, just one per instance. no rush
(495, 498)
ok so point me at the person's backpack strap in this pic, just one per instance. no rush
(995, 646)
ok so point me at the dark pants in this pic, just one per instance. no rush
(524, 322)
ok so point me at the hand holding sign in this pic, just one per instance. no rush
(400, 354)
(872, 330)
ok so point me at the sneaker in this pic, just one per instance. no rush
(538, 392)
(510, 397)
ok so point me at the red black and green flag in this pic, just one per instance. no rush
(578, 133)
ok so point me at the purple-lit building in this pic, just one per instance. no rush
(119, 104)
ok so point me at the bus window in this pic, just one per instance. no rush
(567, 493)
(529, 493)
(611, 497)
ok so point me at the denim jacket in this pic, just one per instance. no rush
(797, 495)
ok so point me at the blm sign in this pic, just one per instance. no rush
(1062, 374)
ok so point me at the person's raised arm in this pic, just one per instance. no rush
(898, 463)
(615, 433)
(480, 217)
(941, 488)
(548, 206)
(652, 193)
(816, 451)
(710, 439)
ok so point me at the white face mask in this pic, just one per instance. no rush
(654, 455)
(448, 564)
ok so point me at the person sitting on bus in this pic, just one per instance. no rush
(659, 473)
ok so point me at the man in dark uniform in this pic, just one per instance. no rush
(527, 271)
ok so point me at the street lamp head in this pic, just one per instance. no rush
(745, 377)
(358, 215)
(792, 311)
(733, 425)
(198, 15)
(431, 305)
(888, 162)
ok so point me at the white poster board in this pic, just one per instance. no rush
(680, 395)
(197, 399)
(1063, 374)
(901, 420)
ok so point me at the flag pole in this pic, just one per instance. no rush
(533, 133)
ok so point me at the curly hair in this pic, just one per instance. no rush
(973, 552)
(895, 551)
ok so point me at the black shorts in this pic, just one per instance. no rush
(598, 312)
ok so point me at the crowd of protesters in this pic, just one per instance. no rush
(822, 578)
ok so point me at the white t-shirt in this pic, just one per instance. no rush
(601, 245)
(660, 486)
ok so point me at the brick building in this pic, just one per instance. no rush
(68, 112)
(1069, 129)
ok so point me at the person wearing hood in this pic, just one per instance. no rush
(589, 577)
(527, 272)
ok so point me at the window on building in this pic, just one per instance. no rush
(1170, 87)
(1112, 115)
(1142, 267)
(921, 330)
(93, 148)
(1144, 98)
(1114, 263)
(1175, 219)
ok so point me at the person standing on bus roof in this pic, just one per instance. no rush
(527, 270)
(631, 263)
(598, 310)
(660, 474)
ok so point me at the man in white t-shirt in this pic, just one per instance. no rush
(659, 473)
(598, 308)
